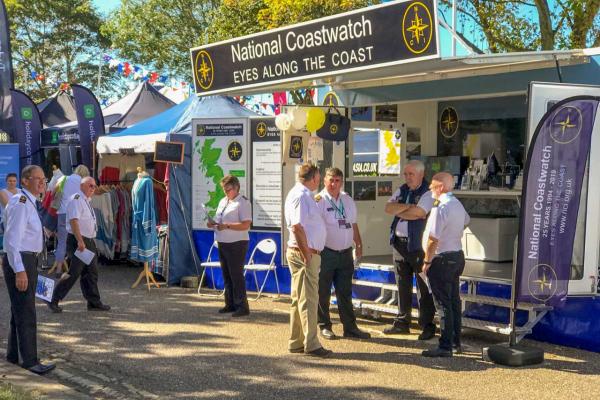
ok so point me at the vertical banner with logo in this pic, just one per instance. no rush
(9, 162)
(554, 173)
(266, 173)
(6, 73)
(89, 120)
(219, 148)
(27, 127)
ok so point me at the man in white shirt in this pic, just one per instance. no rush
(69, 188)
(306, 241)
(23, 243)
(82, 230)
(445, 261)
(337, 264)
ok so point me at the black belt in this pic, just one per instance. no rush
(338, 251)
(402, 239)
(31, 253)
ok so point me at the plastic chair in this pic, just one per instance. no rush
(210, 264)
(266, 246)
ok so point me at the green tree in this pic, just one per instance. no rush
(531, 24)
(59, 39)
(160, 33)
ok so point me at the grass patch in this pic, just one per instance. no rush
(10, 392)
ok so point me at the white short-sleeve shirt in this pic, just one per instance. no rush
(301, 208)
(80, 208)
(339, 216)
(232, 211)
(425, 202)
(446, 223)
(71, 187)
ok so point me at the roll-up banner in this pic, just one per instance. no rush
(554, 173)
(27, 127)
(380, 36)
(6, 75)
(89, 120)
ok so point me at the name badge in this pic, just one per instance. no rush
(343, 224)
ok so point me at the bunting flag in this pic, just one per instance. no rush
(89, 120)
(553, 178)
(6, 75)
(27, 127)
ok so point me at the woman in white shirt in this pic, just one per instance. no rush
(231, 224)
(5, 195)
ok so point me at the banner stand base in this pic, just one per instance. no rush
(513, 356)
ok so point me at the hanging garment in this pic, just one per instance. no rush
(144, 240)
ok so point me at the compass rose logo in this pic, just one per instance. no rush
(565, 126)
(542, 282)
(417, 27)
(449, 122)
(204, 70)
(296, 147)
(333, 129)
(261, 129)
(234, 151)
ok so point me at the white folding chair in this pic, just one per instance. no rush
(266, 246)
(211, 265)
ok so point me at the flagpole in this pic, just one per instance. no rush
(513, 301)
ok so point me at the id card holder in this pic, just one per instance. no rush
(343, 224)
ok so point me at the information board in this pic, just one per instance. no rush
(266, 173)
(171, 152)
(9, 162)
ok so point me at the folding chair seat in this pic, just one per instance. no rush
(265, 246)
(210, 264)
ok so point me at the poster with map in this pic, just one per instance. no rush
(390, 152)
(219, 148)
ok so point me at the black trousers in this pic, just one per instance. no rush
(22, 335)
(337, 268)
(77, 269)
(444, 278)
(232, 256)
(409, 264)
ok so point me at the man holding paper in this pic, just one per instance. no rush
(81, 248)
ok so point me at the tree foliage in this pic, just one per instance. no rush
(58, 39)
(529, 25)
(160, 33)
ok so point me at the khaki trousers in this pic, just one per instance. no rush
(305, 300)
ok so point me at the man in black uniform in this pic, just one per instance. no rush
(81, 226)
(409, 205)
(23, 243)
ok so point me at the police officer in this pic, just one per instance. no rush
(23, 243)
(337, 265)
(445, 261)
(306, 241)
(81, 228)
(409, 205)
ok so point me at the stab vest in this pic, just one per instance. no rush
(416, 227)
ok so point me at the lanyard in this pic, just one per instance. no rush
(91, 211)
(223, 210)
(340, 212)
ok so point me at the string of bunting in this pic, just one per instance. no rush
(129, 70)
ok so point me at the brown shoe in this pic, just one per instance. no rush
(320, 352)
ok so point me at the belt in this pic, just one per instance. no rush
(313, 251)
(338, 251)
(402, 239)
(31, 253)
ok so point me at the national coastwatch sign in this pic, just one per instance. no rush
(387, 34)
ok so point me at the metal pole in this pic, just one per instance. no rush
(513, 300)
(453, 28)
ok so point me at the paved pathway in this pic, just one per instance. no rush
(172, 344)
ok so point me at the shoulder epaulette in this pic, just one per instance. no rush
(244, 197)
(436, 203)
(23, 199)
(318, 198)
(76, 196)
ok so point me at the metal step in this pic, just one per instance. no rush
(496, 301)
(381, 285)
(495, 327)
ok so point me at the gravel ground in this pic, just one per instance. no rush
(172, 344)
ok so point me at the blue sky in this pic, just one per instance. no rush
(106, 6)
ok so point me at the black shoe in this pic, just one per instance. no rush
(242, 312)
(320, 352)
(428, 333)
(357, 334)
(327, 333)
(296, 351)
(42, 369)
(437, 352)
(396, 329)
(225, 310)
(54, 307)
(98, 307)
(12, 361)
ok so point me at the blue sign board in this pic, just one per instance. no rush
(9, 162)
